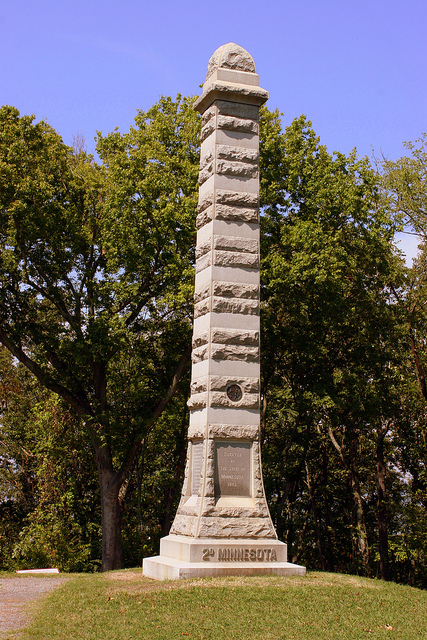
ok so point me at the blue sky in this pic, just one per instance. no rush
(356, 68)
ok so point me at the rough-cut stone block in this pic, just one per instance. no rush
(209, 488)
(211, 527)
(210, 113)
(203, 262)
(197, 400)
(236, 124)
(237, 109)
(208, 129)
(230, 305)
(220, 383)
(233, 432)
(202, 248)
(207, 158)
(184, 525)
(234, 336)
(226, 431)
(232, 322)
(202, 293)
(231, 352)
(204, 217)
(204, 202)
(236, 512)
(234, 259)
(208, 504)
(235, 243)
(220, 399)
(199, 385)
(232, 168)
(206, 173)
(239, 154)
(232, 290)
(200, 308)
(200, 338)
(199, 354)
(196, 431)
(236, 198)
(226, 212)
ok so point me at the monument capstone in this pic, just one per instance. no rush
(223, 525)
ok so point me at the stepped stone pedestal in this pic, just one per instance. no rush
(223, 525)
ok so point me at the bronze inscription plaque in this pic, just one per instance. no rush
(232, 469)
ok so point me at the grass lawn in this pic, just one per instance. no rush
(124, 605)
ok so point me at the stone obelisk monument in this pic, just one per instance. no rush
(223, 526)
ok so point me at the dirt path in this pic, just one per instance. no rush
(15, 596)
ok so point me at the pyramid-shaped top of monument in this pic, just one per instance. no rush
(231, 56)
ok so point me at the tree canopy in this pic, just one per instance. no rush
(96, 274)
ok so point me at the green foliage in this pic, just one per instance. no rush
(77, 286)
(331, 334)
(17, 465)
(47, 480)
(155, 484)
(405, 185)
(96, 272)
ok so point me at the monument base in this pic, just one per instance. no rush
(182, 557)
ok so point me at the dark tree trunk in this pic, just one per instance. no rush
(381, 506)
(349, 461)
(418, 366)
(313, 506)
(330, 559)
(361, 533)
(280, 506)
(111, 512)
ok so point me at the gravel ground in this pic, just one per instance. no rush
(15, 596)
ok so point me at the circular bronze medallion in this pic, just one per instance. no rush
(234, 392)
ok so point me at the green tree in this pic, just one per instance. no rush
(96, 277)
(405, 186)
(331, 368)
(405, 191)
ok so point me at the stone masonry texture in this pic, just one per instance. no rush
(224, 405)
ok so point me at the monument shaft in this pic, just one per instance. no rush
(223, 526)
(223, 495)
